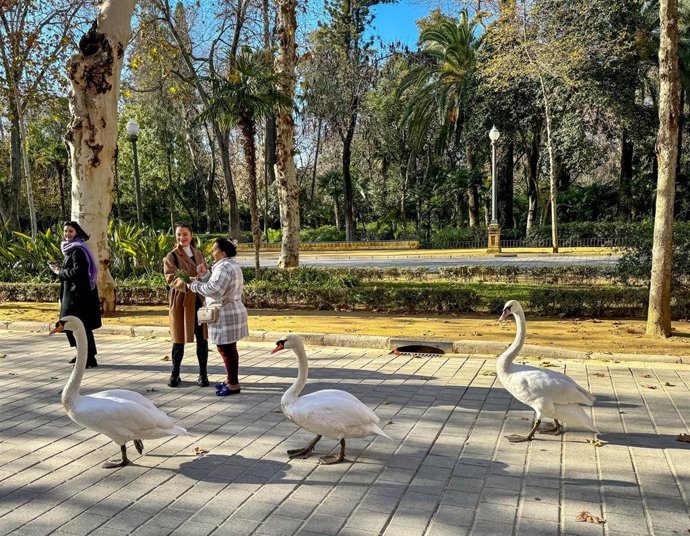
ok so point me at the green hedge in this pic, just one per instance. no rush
(401, 297)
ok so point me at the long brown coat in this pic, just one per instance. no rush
(182, 301)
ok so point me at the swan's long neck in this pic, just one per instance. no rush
(71, 388)
(505, 360)
(290, 396)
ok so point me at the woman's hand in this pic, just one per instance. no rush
(201, 270)
(54, 268)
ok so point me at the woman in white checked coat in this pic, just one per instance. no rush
(223, 286)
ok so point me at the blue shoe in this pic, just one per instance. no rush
(225, 391)
(219, 386)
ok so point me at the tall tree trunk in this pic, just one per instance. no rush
(625, 178)
(94, 76)
(286, 174)
(659, 312)
(27, 172)
(9, 195)
(472, 195)
(505, 182)
(682, 179)
(270, 130)
(533, 179)
(248, 128)
(553, 185)
(350, 231)
(316, 161)
(222, 136)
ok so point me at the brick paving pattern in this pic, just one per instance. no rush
(447, 471)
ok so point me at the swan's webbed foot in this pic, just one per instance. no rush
(304, 452)
(516, 438)
(139, 445)
(555, 429)
(334, 458)
(121, 463)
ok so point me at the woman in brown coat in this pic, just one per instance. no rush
(183, 304)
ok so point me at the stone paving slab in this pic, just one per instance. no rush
(447, 470)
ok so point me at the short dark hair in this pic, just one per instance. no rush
(226, 246)
(80, 232)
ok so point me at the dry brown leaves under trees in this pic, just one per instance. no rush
(199, 451)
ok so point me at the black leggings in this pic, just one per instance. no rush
(232, 361)
(91, 349)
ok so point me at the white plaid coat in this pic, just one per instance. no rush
(224, 284)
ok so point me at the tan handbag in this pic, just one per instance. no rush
(208, 314)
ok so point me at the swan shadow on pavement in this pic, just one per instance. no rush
(652, 441)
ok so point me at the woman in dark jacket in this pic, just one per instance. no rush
(78, 292)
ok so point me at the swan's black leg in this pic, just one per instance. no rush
(555, 429)
(306, 451)
(139, 445)
(335, 458)
(515, 438)
(125, 460)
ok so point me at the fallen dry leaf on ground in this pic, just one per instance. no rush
(524, 418)
(586, 517)
(599, 374)
(166, 358)
(199, 451)
(3, 356)
(646, 375)
(669, 384)
(489, 373)
(151, 389)
(547, 364)
(683, 438)
(596, 442)
(650, 386)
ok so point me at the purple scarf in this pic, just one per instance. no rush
(66, 246)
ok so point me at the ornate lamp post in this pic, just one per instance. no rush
(133, 134)
(494, 227)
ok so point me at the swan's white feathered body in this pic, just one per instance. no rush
(330, 413)
(122, 416)
(118, 414)
(549, 393)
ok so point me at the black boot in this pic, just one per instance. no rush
(91, 362)
(176, 358)
(202, 357)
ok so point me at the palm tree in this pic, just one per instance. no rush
(441, 87)
(243, 99)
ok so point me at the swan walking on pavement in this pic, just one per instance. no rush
(117, 413)
(549, 393)
(330, 412)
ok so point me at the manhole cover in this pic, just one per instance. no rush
(420, 350)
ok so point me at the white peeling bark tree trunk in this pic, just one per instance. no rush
(659, 312)
(94, 76)
(286, 173)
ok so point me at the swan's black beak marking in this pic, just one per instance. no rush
(280, 345)
(505, 315)
(59, 326)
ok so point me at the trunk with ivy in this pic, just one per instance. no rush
(286, 173)
(659, 312)
(94, 75)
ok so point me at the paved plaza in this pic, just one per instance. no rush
(447, 471)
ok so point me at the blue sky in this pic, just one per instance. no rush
(396, 22)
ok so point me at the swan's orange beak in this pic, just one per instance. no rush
(505, 315)
(279, 346)
(59, 327)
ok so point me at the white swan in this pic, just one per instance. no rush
(329, 412)
(119, 414)
(549, 393)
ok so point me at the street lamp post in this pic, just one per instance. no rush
(133, 134)
(494, 227)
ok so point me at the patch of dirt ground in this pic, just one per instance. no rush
(593, 335)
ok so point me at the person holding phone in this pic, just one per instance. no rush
(78, 291)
